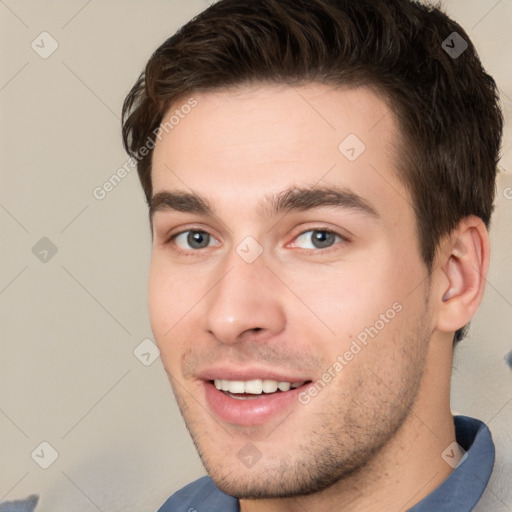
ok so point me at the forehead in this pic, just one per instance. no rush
(235, 144)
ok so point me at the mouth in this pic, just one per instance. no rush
(252, 402)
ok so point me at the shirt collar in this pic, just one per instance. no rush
(462, 490)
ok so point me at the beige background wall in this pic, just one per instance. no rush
(71, 321)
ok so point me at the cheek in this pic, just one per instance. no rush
(368, 301)
(158, 299)
(350, 296)
(170, 302)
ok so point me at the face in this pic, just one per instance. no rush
(287, 293)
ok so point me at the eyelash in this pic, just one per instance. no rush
(195, 252)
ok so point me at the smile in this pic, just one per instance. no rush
(255, 386)
(252, 402)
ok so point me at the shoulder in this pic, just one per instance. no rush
(193, 496)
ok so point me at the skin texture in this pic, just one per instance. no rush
(374, 435)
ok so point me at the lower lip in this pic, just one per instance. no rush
(252, 411)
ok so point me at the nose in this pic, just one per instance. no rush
(246, 298)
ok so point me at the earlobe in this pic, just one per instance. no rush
(461, 273)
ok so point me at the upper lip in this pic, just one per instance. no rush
(232, 373)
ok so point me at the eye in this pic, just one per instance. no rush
(318, 239)
(195, 240)
(192, 239)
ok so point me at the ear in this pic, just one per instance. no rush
(460, 274)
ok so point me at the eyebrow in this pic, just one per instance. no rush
(291, 199)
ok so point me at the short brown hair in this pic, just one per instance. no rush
(446, 104)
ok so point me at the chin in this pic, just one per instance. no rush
(282, 478)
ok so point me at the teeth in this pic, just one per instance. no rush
(270, 386)
(254, 387)
(236, 386)
(284, 386)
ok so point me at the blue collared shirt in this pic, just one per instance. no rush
(460, 492)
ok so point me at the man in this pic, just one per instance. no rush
(320, 177)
